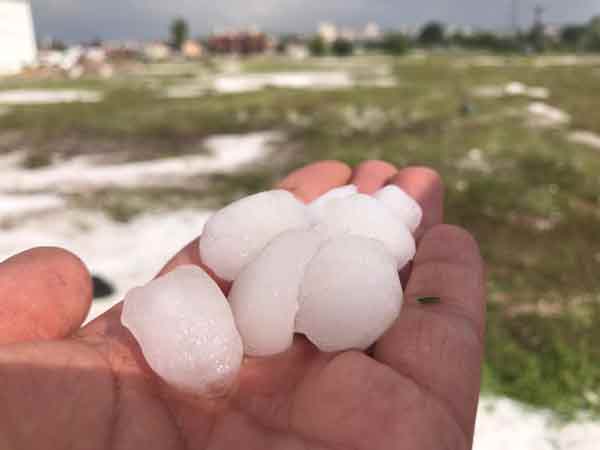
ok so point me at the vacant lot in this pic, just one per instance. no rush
(514, 177)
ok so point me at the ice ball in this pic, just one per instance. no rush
(236, 234)
(350, 294)
(264, 297)
(316, 206)
(402, 205)
(363, 215)
(186, 331)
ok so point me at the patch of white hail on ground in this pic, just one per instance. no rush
(15, 206)
(228, 84)
(119, 252)
(47, 96)
(585, 138)
(546, 116)
(512, 89)
(227, 153)
(475, 161)
(503, 423)
(235, 82)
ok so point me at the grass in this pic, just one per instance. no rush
(530, 196)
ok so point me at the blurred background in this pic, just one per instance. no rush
(124, 125)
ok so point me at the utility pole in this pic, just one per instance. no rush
(538, 13)
(514, 16)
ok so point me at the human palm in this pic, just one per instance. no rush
(65, 387)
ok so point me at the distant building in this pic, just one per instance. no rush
(328, 32)
(297, 50)
(157, 51)
(239, 42)
(372, 32)
(192, 49)
(17, 37)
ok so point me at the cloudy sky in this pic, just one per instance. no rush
(149, 19)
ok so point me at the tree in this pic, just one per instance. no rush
(179, 33)
(342, 47)
(395, 43)
(433, 34)
(537, 37)
(317, 46)
(572, 36)
(591, 39)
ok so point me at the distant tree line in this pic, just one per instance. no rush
(580, 38)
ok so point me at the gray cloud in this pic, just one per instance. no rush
(139, 19)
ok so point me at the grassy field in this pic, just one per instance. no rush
(530, 196)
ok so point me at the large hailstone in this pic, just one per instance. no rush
(264, 297)
(350, 295)
(319, 204)
(363, 215)
(235, 235)
(186, 331)
(402, 205)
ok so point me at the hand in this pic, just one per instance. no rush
(93, 389)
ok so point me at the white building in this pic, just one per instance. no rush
(17, 37)
(328, 32)
(372, 32)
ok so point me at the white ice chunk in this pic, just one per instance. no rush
(264, 297)
(316, 206)
(186, 331)
(236, 234)
(362, 215)
(402, 205)
(350, 295)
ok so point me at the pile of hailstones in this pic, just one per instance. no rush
(328, 270)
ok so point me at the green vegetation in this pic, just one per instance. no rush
(179, 33)
(531, 197)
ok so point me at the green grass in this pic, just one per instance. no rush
(530, 196)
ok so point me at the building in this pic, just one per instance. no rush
(239, 42)
(157, 51)
(328, 32)
(372, 32)
(192, 49)
(17, 37)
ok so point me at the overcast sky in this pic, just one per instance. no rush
(149, 19)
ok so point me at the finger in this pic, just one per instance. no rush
(440, 346)
(425, 186)
(316, 179)
(371, 176)
(45, 293)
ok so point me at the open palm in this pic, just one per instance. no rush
(65, 387)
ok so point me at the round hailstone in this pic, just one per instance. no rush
(186, 331)
(350, 294)
(362, 215)
(264, 297)
(316, 206)
(402, 205)
(236, 234)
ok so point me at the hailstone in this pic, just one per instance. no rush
(363, 215)
(186, 331)
(316, 206)
(350, 295)
(235, 235)
(264, 297)
(402, 205)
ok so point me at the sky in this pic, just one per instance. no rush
(74, 20)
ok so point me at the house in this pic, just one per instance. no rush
(239, 42)
(192, 49)
(17, 37)
(157, 51)
(328, 32)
